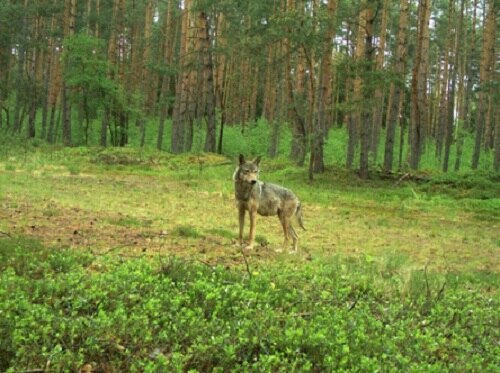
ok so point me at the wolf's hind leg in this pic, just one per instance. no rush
(295, 237)
(285, 224)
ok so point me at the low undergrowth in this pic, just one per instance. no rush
(363, 300)
(62, 309)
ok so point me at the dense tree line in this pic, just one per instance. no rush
(426, 70)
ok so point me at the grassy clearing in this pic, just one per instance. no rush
(126, 260)
(138, 202)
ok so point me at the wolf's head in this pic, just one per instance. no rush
(247, 172)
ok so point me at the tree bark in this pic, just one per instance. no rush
(210, 139)
(296, 100)
(442, 121)
(496, 144)
(485, 76)
(69, 30)
(465, 85)
(379, 96)
(419, 101)
(181, 121)
(322, 111)
(393, 107)
(366, 117)
(48, 77)
(169, 37)
(450, 123)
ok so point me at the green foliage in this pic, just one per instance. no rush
(86, 70)
(479, 184)
(253, 140)
(329, 315)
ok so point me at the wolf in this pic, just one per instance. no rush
(265, 199)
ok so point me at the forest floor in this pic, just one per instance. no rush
(132, 205)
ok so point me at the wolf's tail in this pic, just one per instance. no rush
(298, 214)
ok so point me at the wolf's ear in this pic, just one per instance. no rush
(257, 160)
(242, 159)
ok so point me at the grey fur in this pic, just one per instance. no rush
(266, 199)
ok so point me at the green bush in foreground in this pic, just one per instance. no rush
(62, 309)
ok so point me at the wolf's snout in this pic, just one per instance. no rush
(253, 181)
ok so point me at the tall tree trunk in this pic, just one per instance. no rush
(51, 132)
(275, 124)
(366, 117)
(110, 105)
(168, 53)
(485, 76)
(48, 77)
(66, 115)
(402, 126)
(442, 117)
(69, 30)
(496, 144)
(35, 67)
(5, 69)
(450, 123)
(210, 139)
(146, 81)
(220, 62)
(270, 90)
(393, 112)
(150, 85)
(121, 118)
(360, 117)
(377, 112)
(322, 113)
(20, 90)
(180, 115)
(296, 96)
(419, 101)
(54, 92)
(103, 140)
(468, 61)
(195, 81)
(349, 118)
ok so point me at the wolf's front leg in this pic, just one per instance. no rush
(241, 216)
(253, 220)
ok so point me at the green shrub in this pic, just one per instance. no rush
(328, 315)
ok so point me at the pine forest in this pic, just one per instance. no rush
(395, 80)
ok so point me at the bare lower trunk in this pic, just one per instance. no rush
(66, 116)
(485, 77)
(496, 144)
(104, 128)
(210, 139)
